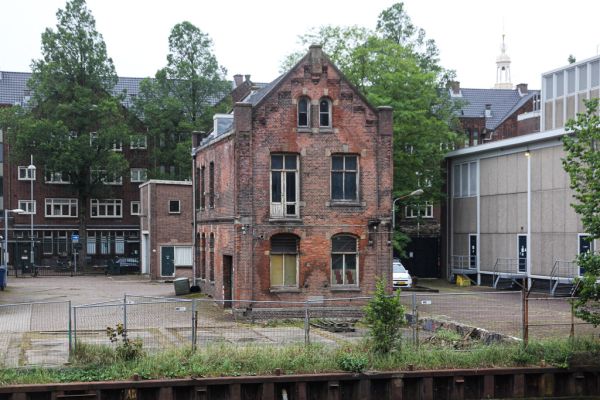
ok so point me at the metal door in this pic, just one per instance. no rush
(167, 261)
(585, 246)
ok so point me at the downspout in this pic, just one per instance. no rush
(194, 244)
(528, 155)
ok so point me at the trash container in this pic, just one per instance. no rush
(182, 286)
(3, 277)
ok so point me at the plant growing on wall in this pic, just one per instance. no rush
(582, 163)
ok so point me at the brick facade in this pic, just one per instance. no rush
(242, 219)
(162, 228)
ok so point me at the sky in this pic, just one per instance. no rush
(253, 37)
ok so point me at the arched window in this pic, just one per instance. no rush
(304, 112)
(284, 260)
(344, 260)
(325, 113)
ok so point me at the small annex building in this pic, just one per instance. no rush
(293, 191)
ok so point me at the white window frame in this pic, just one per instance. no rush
(138, 174)
(329, 113)
(457, 180)
(344, 254)
(279, 209)
(104, 177)
(28, 206)
(26, 174)
(96, 205)
(138, 142)
(73, 205)
(139, 207)
(117, 146)
(56, 178)
(344, 171)
(414, 211)
(178, 206)
(308, 106)
(48, 235)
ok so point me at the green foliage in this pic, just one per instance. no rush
(126, 349)
(385, 316)
(71, 98)
(352, 362)
(396, 65)
(582, 163)
(180, 99)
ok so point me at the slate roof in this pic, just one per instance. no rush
(504, 102)
(14, 90)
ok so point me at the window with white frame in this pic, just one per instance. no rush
(419, 210)
(106, 208)
(304, 112)
(344, 260)
(91, 243)
(61, 242)
(57, 177)
(28, 206)
(48, 243)
(65, 208)
(93, 139)
(174, 207)
(138, 142)
(344, 178)
(119, 243)
(135, 208)
(138, 174)
(284, 185)
(117, 146)
(465, 179)
(106, 178)
(26, 174)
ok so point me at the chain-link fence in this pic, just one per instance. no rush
(35, 333)
(42, 333)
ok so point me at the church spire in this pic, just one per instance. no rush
(503, 69)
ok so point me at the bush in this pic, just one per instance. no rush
(352, 362)
(126, 349)
(385, 316)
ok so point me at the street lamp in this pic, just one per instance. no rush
(414, 193)
(5, 264)
(32, 208)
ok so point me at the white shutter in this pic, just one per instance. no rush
(183, 256)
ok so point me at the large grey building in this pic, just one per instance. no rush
(509, 202)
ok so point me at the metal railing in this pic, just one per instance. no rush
(506, 268)
(462, 264)
(563, 272)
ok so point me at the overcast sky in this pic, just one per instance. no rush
(252, 37)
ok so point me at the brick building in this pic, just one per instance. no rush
(293, 190)
(166, 227)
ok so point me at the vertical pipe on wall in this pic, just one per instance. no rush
(529, 244)
(478, 244)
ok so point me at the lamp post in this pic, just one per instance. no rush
(414, 193)
(5, 263)
(32, 210)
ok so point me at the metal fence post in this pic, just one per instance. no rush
(75, 328)
(525, 312)
(69, 328)
(415, 320)
(572, 332)
(306, 324)
(125, 314)
(194, 324)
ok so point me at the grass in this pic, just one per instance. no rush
(92, 362)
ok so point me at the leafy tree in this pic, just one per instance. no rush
(180, 99)
(582, 163)
(385, 317)
(73, 123)
(396, 65)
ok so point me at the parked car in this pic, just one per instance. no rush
(400, 275)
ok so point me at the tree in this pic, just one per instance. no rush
(395, 65)
(180, 99)
(73, 123)
(384, 314)
(582, 163)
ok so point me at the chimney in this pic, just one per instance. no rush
(247, 78)
(242, 117)
(522, 88)
(386, 120)
(237, 79)
(455, 88)
(488, 110)
(316, 61)
(196, 138)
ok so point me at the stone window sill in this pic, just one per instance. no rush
(345, 289)
(284, 290)
(338, 203)
(285, 220)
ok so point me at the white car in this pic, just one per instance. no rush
(400, 275)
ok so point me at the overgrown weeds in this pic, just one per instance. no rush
(93, 362)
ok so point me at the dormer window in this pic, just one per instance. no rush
(325, 113)
(303, 112)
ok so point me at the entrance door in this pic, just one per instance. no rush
(227, 280)
(167, 261)
(422, 257)
(585, 246)
(522, 252)
(472, 251)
